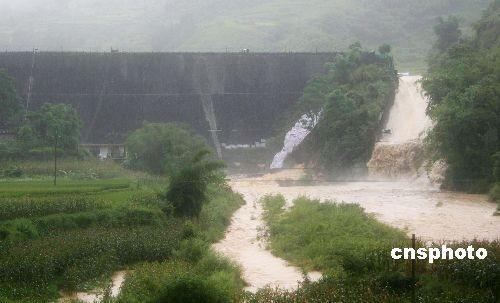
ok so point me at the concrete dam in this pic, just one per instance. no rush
(232, 98)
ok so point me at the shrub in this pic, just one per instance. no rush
(188, 188)
(192, 289)
(162, 148)
(12, 172)
(328, 236)
(17, 230)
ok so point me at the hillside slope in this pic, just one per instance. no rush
(217, 25)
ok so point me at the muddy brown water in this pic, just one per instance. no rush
(97, 295)
(413, 206)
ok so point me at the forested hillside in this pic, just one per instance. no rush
(217, 25)
(464, 87)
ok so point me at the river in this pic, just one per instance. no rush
(431, 214)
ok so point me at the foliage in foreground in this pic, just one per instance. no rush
(195, 275)
(83, 231)
(353, 251)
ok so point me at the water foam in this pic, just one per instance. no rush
(294, 137)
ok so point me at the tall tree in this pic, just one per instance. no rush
(448, 32)
(463, 84)
(162, 148)
(51, 121)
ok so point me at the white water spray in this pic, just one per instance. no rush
(399, 151)
(294, 137)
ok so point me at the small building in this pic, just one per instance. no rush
(106, 151)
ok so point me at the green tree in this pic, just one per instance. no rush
(162, 148)
(42, 127)
(188, 187)
(352, 97)
(448, 32)
(10, 104)
(384, 49)
(464, 89)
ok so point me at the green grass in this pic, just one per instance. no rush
(86, 169)
(329, 237)
(215, 280)
(352, 249)
(83, 229)
(45, 187)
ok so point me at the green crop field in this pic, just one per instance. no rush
(73, 236)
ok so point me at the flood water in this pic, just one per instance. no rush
(98, 295)
(416, 207)
(400, 194)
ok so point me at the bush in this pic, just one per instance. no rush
(50, 123)
(9, 150)
(12, 172)
(162, 148)
(328, 236)
(18, 230)
(209, 279)
(395, 281)
(188, 188)
(192, 289)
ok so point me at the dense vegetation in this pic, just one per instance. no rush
(463, 84)
(37, 135)
(352, 250)
(162, 148)
(86, 228)
(352, 99)
(319, 236)
(188, 187)
(217, 25)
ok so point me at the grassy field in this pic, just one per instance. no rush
(352, 249)
(76, 234)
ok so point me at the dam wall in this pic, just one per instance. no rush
(114, 93)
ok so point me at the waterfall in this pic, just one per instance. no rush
(400, 152)
(294, 137)
(208, 109)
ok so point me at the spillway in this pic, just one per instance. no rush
(399, 152)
